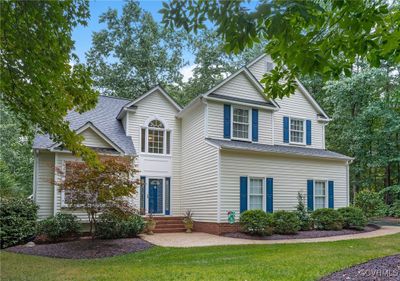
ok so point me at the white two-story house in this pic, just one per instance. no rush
(230, 149)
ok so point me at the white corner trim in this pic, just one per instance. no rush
(219, 186)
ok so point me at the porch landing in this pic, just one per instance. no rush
(200, 239)
(169, 224)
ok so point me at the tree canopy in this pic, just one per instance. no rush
(38, 83)
(302, 37)
(134, 53)
(365, 112)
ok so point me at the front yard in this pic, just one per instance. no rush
(255, 262)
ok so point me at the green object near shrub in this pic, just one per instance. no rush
(17, 221)
(112, 226)
(286, 222)
(353, 218)
(327, 219)
(371, 203)
(60, 226)
(256, 222)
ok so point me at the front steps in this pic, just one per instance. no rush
(169, 224)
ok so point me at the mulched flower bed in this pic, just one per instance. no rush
(302, 234)
(382, 269)
(85, 248)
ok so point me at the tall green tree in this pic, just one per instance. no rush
(16, 161)
(38, 83)
(134, 53)
(365, 112)
(303, 37)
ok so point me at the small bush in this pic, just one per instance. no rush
(353, 218)
(327, 219)
(112, 226)
(286, 222)
(306, 223)
(17, 221)
(256, 222)
(60, 226)
(370, 202)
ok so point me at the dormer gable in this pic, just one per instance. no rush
(156, 90)
(264, 63)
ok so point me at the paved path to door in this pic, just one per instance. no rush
(200, 239)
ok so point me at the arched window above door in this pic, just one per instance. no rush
(155, 139)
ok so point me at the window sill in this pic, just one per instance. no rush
(155, 155)
(297, 143)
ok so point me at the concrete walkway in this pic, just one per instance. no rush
(200, 239)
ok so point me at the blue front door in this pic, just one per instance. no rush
(155, 196)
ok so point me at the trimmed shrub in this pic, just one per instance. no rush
(60, 226)
(370, 202)
(256, 222)
(353, 218)
(112, 226)
(17, 221)
(286, 222)
(306, 223)
(327, 219)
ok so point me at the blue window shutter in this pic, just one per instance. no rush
(331, 194)
(243, 194)
(310, 195)
(254, 126)
(286, 129)
(167, 196)
(270, 195)
(308, 132)
(227, 121)
(143, 193)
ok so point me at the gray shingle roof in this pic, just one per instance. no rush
(103, 117)
(279, 149)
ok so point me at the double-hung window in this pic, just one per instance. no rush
(256, 194)
(320, 195)
(241, 123)
(297, 127)
(155, 138)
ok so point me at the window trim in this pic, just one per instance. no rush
(326, 193)
(62, 192)
(263, 189)
(249, 137)
(304, 130)
(146, 144)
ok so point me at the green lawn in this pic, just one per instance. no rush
(253, 262)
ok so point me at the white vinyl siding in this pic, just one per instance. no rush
(93, 139)
(290, 175)
(240, 87)
(260, 67)
(296, 105)
(157, 106)
(199, 167)
(44, 188)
